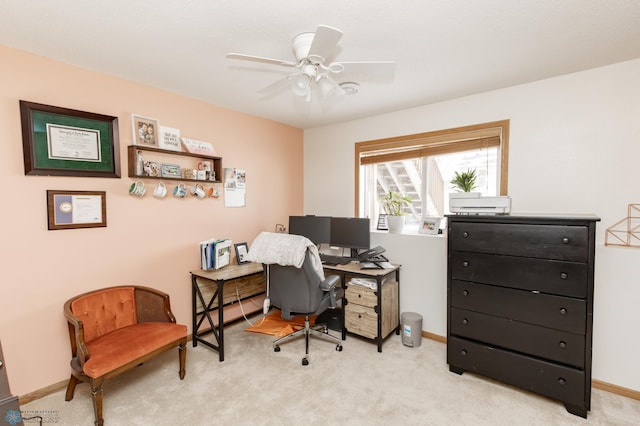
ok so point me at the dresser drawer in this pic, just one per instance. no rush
(559, 242)
(546, 276)
(554, 345)
(563, 383)
(558, 312)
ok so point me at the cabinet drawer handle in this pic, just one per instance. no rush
(563, 345)
(359, 316)
(465, 263)
(565, 240)
(359, 296)
(465, 321)
(463, 352)
(465, 234)
(563, 311)
(465, 292)
(564, 275)
(562, 381)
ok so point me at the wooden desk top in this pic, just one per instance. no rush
(354, 268)
(229, 272)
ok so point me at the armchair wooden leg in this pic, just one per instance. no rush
(71, 388)
(96, 392)
(182, 355)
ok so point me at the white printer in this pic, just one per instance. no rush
(473, 203)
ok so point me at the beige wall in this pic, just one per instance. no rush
(147, 241)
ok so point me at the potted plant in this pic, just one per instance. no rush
(464, 182)
(392, 204)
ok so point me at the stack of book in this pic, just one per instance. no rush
(215, 253)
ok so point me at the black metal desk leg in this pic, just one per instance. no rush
(398, 281)
(194, 331)
(220, 320)
(379, 309)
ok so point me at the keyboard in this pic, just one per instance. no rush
(329, 259)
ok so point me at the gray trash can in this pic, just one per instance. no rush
(411, 329)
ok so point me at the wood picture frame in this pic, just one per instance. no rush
(145, 130)
(242, 250)
(67, 142)
(76, 209)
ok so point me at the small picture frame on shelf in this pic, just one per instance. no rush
(169, 139)
(382, 222)
(171, 170)
(145, 131)
(150, 168)
(242, 250)
(430, 225)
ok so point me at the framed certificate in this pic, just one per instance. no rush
(76, 209)
(65, 142)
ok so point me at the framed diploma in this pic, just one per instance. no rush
(65, 142)
(76, 209)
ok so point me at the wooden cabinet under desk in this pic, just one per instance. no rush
(373, 313)
(520, 302)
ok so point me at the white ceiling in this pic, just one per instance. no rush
(443, 48)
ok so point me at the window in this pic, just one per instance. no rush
(421, 167)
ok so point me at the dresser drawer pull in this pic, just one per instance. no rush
(463, 352)
(359, 316)
(465, 234)
(565, 240)
(563, 311)
(465, 321)
(563, 345)
(465, 263)
(465, 292)
(564, 275)
(359, 296)
(562, 381)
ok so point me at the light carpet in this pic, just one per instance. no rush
(358, 386)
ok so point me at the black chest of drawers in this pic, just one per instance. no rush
(520, 302)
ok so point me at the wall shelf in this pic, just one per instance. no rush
(216, 163)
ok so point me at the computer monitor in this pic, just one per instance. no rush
(315, 228)
(350, 232)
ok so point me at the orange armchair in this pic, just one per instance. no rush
(115, 329)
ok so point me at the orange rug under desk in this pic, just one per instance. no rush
(275, 325)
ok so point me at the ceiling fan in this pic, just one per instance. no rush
(316, 72)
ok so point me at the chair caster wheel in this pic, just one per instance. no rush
(339, 348)
(276, 348)
(305, 361)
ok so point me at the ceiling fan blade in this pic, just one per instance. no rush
(324, 42)
(371, 71)
(260, 59)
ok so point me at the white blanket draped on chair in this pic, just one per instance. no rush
(285, 250)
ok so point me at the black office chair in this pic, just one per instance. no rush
(301, 291)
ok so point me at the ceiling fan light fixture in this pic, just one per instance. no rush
(350, 87)
(325, 85)
(301, 85)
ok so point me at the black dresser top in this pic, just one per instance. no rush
(527, 218)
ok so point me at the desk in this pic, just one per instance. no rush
(207, 296)
(373, 314)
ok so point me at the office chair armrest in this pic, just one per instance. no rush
(329, 282)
